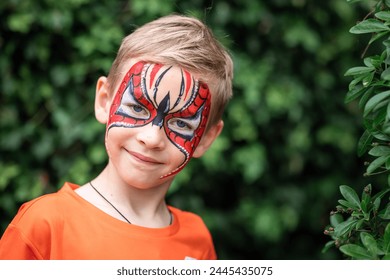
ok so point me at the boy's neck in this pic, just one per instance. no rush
(143, 207)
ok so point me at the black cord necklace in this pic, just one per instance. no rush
(170, 213)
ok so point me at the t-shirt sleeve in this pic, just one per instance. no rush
(201, 236)
(29, 234)
(15, 246)
(211, 254)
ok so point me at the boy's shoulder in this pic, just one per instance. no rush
(44, 206)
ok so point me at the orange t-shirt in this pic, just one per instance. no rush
(63, 225)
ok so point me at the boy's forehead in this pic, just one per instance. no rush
(161, 79)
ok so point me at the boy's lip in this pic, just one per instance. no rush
(143, 158)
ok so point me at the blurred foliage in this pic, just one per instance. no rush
(269, 181)
(360, 227)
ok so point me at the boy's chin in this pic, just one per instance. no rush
(149, 183)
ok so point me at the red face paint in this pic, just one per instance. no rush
(145, 97)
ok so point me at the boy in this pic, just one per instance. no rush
(162, 104)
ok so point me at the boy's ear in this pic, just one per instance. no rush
(102, 100)
(208, 139)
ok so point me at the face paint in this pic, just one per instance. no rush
(145, 97)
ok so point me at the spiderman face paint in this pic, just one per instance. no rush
(167, 97)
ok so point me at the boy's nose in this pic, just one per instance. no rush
(152, 136)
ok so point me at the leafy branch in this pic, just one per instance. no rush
(359, 227)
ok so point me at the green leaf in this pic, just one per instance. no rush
(354, 94)
(386, 125)
(336, 219)
(388, 111)
(346, 204)
(377, 203)
(377, 36)
(366, 96)
(369, 61)
(359, 224)
(386, 239)
(368, 79)
(355, 251)
(383, 15)
(386, 75)
(355, 83)
(378, 151)
(359, 216)
(386, 43)
(327, 246)
(374, 101)
(376, 60)
(381, 136)
(386, 213)
(350, 195)
(375, 164)
(364, 143)
(344, 227)
(370, 243)
(377, 198)
(359, 70)
(369, 26)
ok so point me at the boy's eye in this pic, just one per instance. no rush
(182, 124)
(130, 106)
(137, 108)
(179, 125)
(183, 127)
(138, 111)
(134, 111)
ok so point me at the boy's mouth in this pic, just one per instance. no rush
(143, 158)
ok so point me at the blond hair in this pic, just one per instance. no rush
(185, 42)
